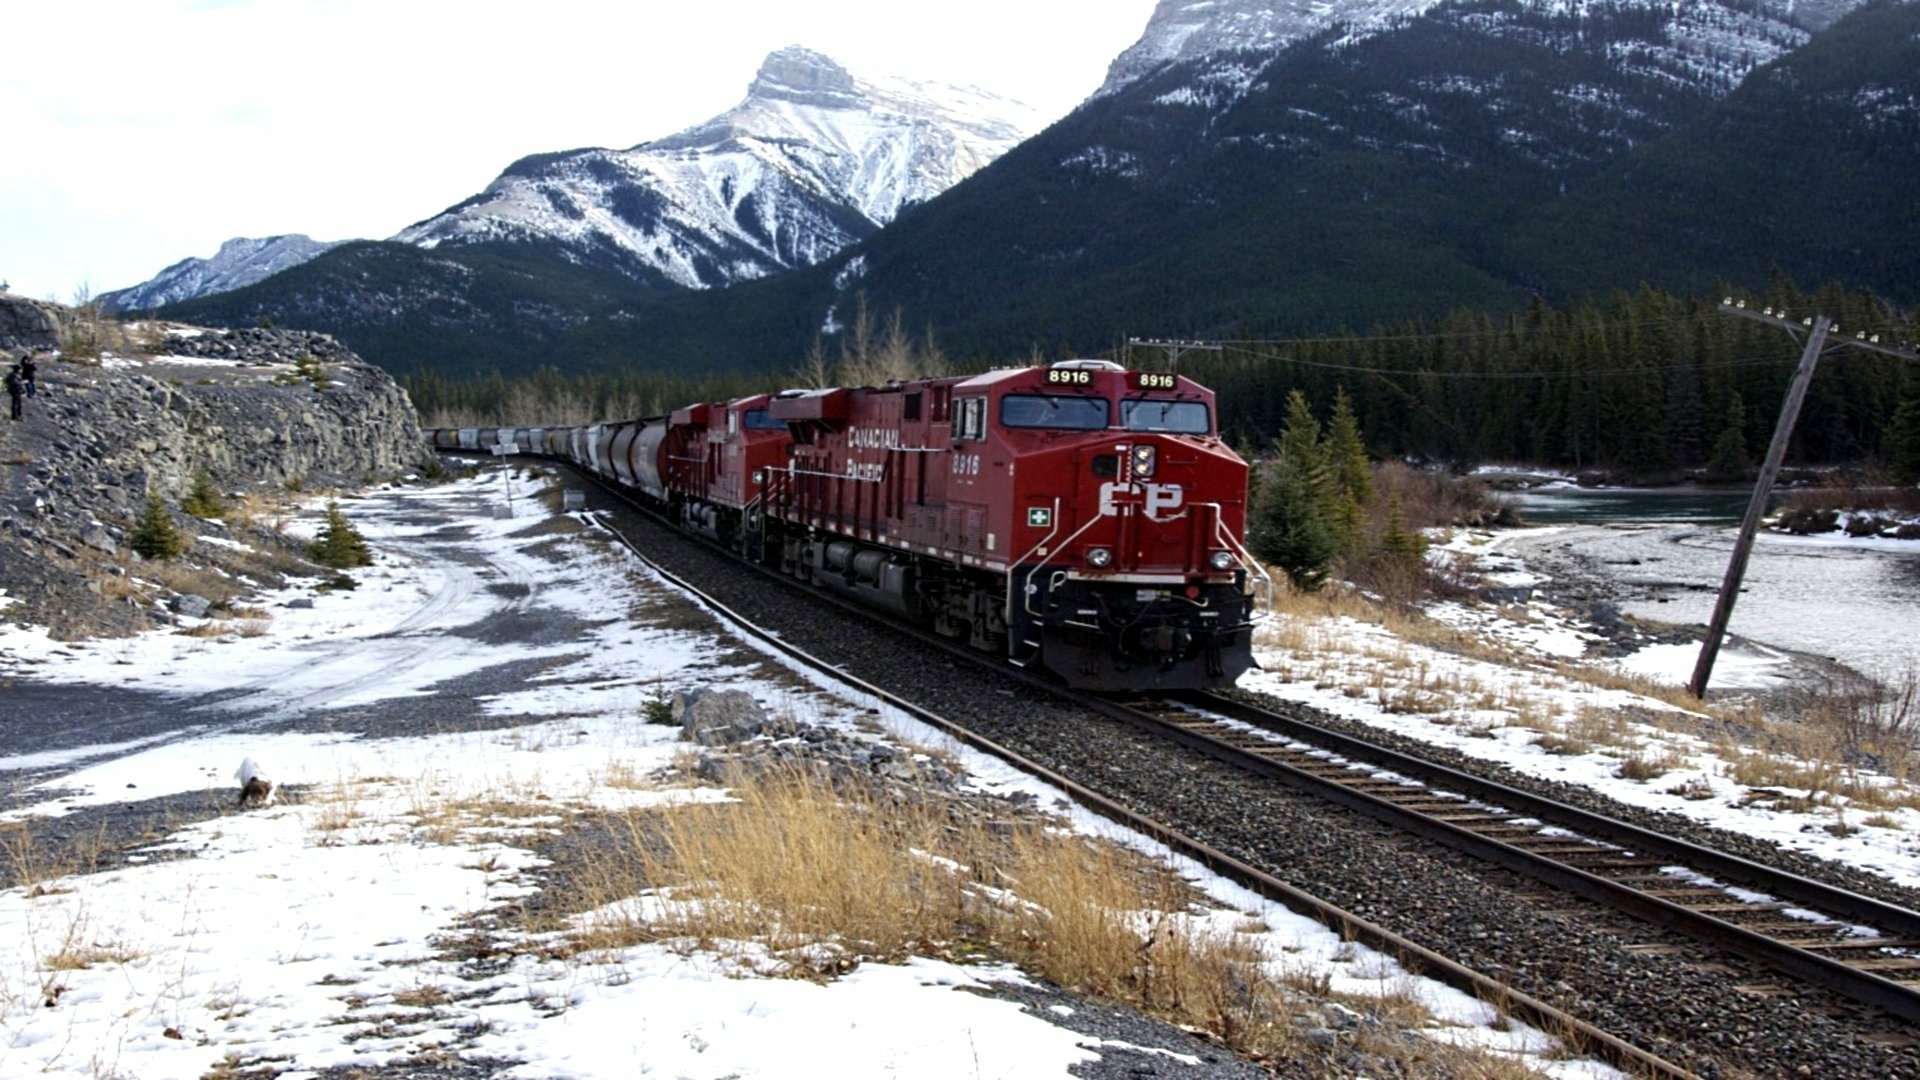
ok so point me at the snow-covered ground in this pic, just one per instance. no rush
(304, 934)
(1520, 714)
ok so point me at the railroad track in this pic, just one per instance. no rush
(1580, 1035)
(1862, 948)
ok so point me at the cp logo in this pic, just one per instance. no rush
(1160, 499)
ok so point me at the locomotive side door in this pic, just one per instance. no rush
(966, 502)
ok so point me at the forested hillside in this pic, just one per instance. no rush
(1646, 384)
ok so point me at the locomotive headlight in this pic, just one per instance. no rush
(1221, 560)
(1144, 459)
(1099, 558)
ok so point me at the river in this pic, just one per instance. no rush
(1666, 552)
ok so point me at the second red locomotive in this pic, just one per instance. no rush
(1079, 518)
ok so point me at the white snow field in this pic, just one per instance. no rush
(302, 935)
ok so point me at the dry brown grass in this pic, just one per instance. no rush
(1850, 742)
(78, 954)
(822, 878)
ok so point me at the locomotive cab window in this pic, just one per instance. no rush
(1057, 413)
(1169, 417)
(972, 419)
(761, 420)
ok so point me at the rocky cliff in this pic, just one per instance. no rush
(266, 416)
(26, 325)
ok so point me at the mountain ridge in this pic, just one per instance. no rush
(239, 262)
(1476, 155)
(813, 159)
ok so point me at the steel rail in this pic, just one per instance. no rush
(1828, 898)
(1897, 999)
(1580, 1035)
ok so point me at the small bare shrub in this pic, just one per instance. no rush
(1646, 764)
(1877, 725)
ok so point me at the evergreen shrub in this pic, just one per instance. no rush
(339, 545)
(154, 535)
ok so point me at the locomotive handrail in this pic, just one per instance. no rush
(1042, 542)
(1026, 596)
(797, 471)
(1221, 532)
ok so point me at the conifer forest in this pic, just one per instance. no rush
(1644, 385)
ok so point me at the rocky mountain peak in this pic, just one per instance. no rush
(239, 262)
(813, 159)
(799, 74)
(1181, 30)
(1190, 29)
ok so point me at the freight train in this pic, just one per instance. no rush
(1078, 518)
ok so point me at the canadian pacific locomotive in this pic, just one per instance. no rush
(1079, 518)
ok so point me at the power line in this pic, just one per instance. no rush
(1510, 330)
(1362, 369)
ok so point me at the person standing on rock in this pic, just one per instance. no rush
(30, 374)
(16, 389)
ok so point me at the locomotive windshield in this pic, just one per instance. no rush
(1058, 413)
(1172, 417)
(759, 420)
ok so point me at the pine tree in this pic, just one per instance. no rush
(1290, 524)
(1903, 436)
(1287, 528)
(339, 544)
(1729, 460)
(1403, 545)
(154, 535)
(1352, 475)
(203, 499)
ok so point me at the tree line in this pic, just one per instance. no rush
(1644, 384)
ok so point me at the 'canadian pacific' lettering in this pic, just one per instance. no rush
(873, 438)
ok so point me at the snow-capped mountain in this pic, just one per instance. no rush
(1718, 40)
(1191, 29)
(239, 262)
(812, 160)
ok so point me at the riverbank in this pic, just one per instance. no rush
(1822, 603)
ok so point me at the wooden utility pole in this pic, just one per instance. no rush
(1763, 489)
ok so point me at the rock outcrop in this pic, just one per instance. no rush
(27, 325)
(262, 414)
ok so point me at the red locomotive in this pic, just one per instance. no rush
(1079, 518)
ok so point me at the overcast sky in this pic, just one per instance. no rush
(141, 132)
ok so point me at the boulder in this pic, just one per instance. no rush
(1806, 521)
(27, 325)
(718, 717)
(193, 607)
